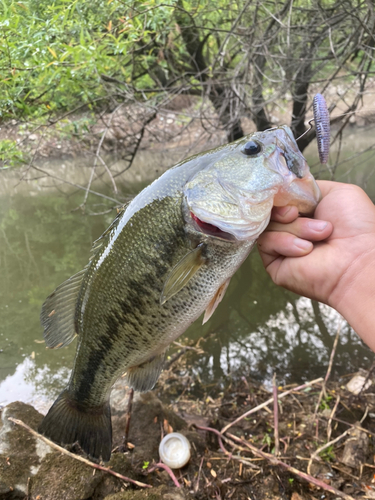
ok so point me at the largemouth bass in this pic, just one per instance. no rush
(168, 257)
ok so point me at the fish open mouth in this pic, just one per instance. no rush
(210, 229)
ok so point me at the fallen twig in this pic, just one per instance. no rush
(276, 416)
(354, 425)
(77, 457)
(269, 401)
(322, 448)
(226, 452)
(323, 391)
(160, 465)
(303, 475)
(196, 485)
(329, 426)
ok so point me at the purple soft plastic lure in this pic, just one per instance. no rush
(322, 125)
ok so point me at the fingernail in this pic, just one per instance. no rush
(283, 210)
(317, 225)
(303, 244)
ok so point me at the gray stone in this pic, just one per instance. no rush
(356, 448)
(63, 477)
(109, 485)
(161, 493)
(20, 452)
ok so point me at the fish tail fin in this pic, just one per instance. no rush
(67, 422)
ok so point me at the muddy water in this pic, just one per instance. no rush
(259, 329)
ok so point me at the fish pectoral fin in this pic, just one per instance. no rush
(58, 313)
(143, 377)
(216, 299)
(182, 273)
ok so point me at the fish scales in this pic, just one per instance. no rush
(167, 257)
(133, 305)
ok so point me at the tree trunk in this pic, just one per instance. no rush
(220, 96)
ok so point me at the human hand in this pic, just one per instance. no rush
(330, 258)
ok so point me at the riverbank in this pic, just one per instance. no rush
(186, 124)
(316, 443)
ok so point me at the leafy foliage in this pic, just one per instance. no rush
(243, 57)
(10, 155)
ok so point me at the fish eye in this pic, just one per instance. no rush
(251, 148)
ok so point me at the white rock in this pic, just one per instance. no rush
(357, 384)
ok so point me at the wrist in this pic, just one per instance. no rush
(354, 297)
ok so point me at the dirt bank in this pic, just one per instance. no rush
(185, 124)
(325, 431)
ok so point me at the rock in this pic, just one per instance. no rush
(161, 493)
(29, 468)
(357, 384)
(64, 477)
(356, 448)
(61, 476)
(147, 419)
(109, 484)
(119, 398)
(20, 452)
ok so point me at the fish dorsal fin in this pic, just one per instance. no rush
(102, 240)
(182, 273)
(143, 377)
(58, 312)
(215, 301)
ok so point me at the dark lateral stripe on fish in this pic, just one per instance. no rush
(123, 325)
(130, 313)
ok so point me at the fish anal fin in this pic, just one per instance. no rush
(182, 273)
(58, 313)
(67, 422)
(215, 301)
(143, 377)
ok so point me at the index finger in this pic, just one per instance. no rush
(285, 215)
(326, 186)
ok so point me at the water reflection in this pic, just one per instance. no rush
(258, 329)
(264, 329)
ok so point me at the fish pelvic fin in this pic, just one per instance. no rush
(143, 377)
(58, 312)
(182, 273)
(215, 301)
(68, 422)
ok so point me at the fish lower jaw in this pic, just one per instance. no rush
(210, 229)
(240, 231)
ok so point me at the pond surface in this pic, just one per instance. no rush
(258, 329)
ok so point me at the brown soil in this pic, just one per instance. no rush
(307, 420)
(324, 431)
